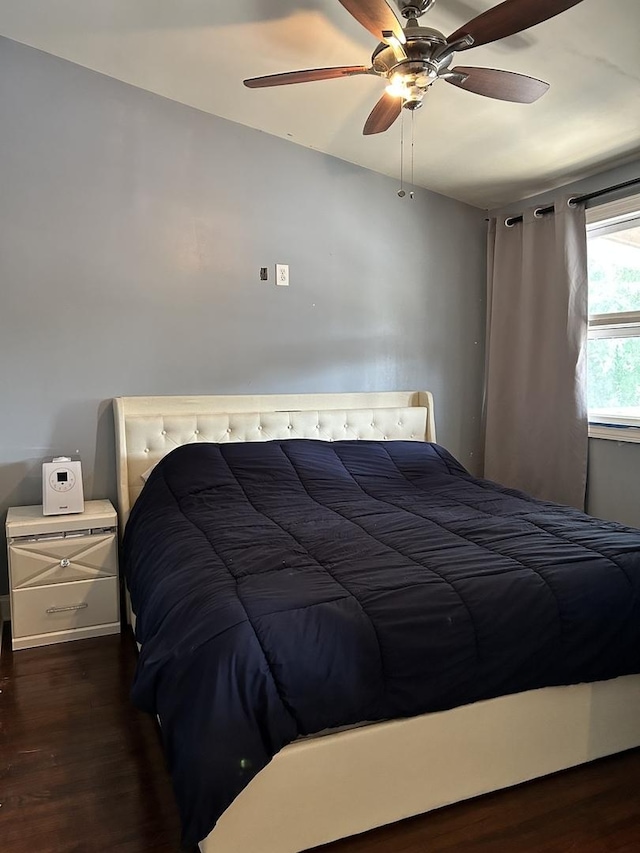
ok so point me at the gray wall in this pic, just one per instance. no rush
(132, 230)
(613, 489)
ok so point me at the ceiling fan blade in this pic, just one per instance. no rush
(509, 18)
(306, 76)
(376, 16)
(383, 115)
(504, 85)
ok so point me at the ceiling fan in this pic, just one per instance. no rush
(411, 57)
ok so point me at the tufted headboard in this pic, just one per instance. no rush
(147, 428)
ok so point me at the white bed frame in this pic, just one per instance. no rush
(320, 789)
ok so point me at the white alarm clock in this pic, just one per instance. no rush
(62, 487)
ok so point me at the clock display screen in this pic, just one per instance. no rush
(62, 476)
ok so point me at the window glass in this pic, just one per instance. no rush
(613, 357)
(614, 375)
(614, 271)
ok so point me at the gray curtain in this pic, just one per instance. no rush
(535, 397)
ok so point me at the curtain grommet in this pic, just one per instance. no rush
(572, 202)
(538, 213)
(509, 222)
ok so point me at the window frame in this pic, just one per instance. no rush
(604, 219)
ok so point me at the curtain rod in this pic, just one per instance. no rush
(512, 220)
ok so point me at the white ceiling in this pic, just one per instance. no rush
(481, 151)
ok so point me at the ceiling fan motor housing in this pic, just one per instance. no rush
(421, 48)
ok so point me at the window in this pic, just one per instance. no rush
(613, 241)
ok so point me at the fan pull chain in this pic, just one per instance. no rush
(401, 191)
(413, 138)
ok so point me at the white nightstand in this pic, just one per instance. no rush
(63, 574)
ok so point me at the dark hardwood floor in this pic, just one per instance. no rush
(81, 770)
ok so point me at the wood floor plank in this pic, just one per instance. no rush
(82, 771)
(80, 768)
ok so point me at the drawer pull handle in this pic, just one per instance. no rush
(64, 609)
(64, 564)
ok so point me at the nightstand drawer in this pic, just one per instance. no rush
(45, 609)
(73, 558)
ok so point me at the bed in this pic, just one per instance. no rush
(345, 781)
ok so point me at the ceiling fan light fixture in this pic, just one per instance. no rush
(410, 87)
(400, 86)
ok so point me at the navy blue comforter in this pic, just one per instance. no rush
(285, 587)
